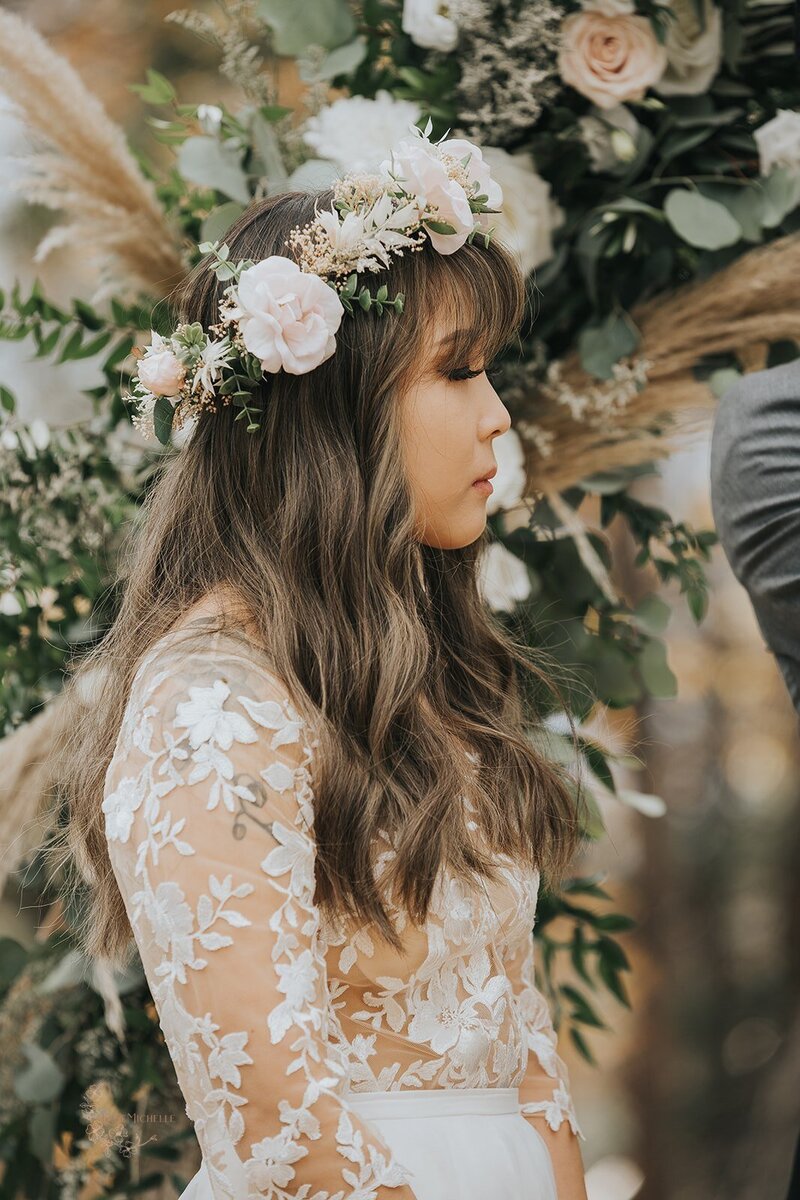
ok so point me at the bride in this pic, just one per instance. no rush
(304, 789)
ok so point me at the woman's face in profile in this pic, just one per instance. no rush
(449, 425)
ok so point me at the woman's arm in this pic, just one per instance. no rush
(209, 822)
(544, 1093)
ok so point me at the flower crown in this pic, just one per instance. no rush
(283, 313)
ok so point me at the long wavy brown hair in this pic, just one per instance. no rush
(386, 640)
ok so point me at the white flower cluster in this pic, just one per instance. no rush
(283, 313)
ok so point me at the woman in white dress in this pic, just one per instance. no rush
(305, 782)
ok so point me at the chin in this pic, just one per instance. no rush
(455, 538)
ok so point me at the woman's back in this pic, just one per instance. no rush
(272, 1014)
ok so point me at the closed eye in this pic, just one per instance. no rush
(462, 373)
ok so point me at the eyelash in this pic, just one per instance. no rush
(461, 374)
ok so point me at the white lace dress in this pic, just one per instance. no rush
(280, 1026)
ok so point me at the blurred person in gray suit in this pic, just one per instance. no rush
(755, 500)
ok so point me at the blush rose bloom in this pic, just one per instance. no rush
(610, 58)
(287, 317)
(160, 370)
(424, 173)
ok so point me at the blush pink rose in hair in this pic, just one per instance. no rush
(287, 317)
(610, 59)
(160, 370)
(425, 171)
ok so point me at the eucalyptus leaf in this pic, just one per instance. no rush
(267, 148)
(655, 672)
(13, 957)
(295, 27)
(206, 162)
(313, 173)
(603, 344)
(700, 221)
(41, 1080)
(747, 204)
(219, 220)
(651, 615)
(340, 61)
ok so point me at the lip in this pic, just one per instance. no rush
(487, 475)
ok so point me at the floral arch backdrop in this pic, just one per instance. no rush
(649, 153)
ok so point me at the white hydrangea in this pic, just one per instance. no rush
(530, 213)
(354, 131)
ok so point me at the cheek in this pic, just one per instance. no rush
(438, 445)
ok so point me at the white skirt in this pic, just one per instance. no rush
(462, 1143)
(457, 1143)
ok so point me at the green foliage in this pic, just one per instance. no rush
(53, 993)
(598, 960)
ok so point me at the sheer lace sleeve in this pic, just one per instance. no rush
(545, 1090)
(209, 818)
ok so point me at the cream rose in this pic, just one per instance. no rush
(160, 370)
(778, 141)
(287, 317)
(610, 58)
(693, 54)
(424, 169)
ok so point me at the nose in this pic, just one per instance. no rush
(501, 416)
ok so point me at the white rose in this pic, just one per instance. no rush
(609, 136)
(609, 58)
(510, 481)
(693, 54)
(287, 317)
(161, 371)
(428, 26)
(530, 214)
(778, 141)
(503, 578)
(354, 131)
(424, 170)
(9, 439)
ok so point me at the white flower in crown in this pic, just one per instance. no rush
(208, 371)
(160, 370)
(444, 176)
(365, 241)
(286, 317)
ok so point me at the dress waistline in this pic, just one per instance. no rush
(435, 1102)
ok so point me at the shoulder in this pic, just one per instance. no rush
(754, 406)
(210, 701)
(212, 727)
(210, 671)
